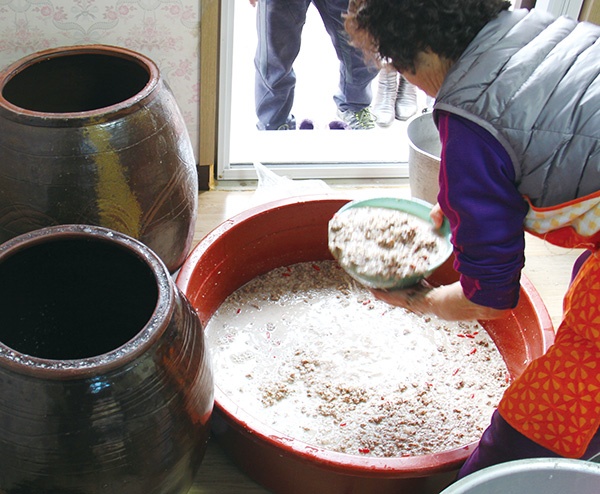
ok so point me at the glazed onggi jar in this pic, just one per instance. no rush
(105, 381)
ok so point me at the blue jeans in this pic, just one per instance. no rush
(279, 28)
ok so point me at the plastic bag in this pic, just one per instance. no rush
(272, 187)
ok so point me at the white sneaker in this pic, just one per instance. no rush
(387, 87)
(358, 120)
(406, 100)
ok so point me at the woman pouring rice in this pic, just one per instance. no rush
(518, 112)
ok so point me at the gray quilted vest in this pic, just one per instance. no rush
(533, 81)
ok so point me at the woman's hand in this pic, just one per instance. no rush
(447, 302)
(436, 215)
(414, 298)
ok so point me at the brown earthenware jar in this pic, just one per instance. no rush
(93, 135)
(105, 381)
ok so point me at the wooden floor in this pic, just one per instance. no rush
(548, 267)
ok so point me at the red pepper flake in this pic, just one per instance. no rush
(343, 424)
(287, 274)
(316, 267)
(366, 302)
(456, 371)
(469, 336)
(268, 335)
(238, 311)
(364, 451)
(475, 332)
(460, 335)
(473, 350)
(289, 268)
(473, 396)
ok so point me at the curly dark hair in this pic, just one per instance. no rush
(395, 31)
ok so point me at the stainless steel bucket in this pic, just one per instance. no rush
(423, 157)
(547, 475)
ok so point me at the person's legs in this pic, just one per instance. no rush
(279, 26)
(501, 443)
(355, 75)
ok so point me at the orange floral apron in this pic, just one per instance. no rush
(556, 401)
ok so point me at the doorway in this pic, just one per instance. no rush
(320, 153)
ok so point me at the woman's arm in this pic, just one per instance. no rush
(486, 213)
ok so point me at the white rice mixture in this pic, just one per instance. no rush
(384, 243)
(308, 351)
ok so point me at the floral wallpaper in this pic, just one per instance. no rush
(167, 31)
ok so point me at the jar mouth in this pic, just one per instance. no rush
(77, 81)
(78, 297)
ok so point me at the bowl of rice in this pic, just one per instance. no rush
(388, 243)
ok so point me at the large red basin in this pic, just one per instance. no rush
(295, 230)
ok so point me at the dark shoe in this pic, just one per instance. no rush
(339, 125)
(307, 124)
(290, 124)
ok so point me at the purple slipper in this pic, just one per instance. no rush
(339, 125)
(307, 124)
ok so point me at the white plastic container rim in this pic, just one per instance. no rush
(532, 476)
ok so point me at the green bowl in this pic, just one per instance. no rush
(415, 207)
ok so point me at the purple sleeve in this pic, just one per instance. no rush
(485, 210)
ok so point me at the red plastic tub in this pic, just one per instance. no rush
(295, 230)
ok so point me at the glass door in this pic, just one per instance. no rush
(319, 153)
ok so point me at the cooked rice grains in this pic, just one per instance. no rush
(308, 351)
(382, 243)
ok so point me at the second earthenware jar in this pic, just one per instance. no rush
(106, 384)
